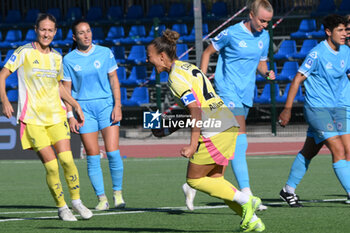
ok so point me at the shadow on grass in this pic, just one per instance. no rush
(121, 229)
(26, 207)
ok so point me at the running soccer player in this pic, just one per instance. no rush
(243, 50)
(42, 115)
(90, 74)
(210, 149)
(326, 107)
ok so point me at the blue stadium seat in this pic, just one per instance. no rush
(139, 96)
(8, 55)
(180, 49)
(114, 35)
(31, 16)
(13, 17)
(289, 70)
(68, 41)
(134, 12)
(177, 11)
(73, 14)
(119, 54)
(121, 73)
(55, 12)
(115, 13)
(59, 50)
(287, 48)
(150, 37)
(192, 36)
(123, 95)
(283, 98)
(265, 97)
(300, 97)
(305, 28)
(163, 77)
(98, 36)
(12, 95)
(180, 28)
(325, 7)
(137, 76)
(136, 32)
(12, 40)
(156, 11)
(320, 34)
(260, 78)
(12, 81)
(137, 55)
(30, 37)
(219, 10)
(344, 7)
(305, 49)
(94, 14)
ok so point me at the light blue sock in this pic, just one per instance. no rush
(95, 173)
(342, 171)
(116, 168)
(239, 162)
(298, 170)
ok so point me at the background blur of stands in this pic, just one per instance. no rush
(128, 26)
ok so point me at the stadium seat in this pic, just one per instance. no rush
(163, 77)
(12, 95)
(325, 7)
(8, 55)
(12, 81)
(180, 49)
(137, 76)
(134, 12)
(31, 16)
(191, 37)
(260, 78)
(136, 32)
(219, 10)
(289, 70)
(98, 36)
(150, 37)
(156, 11)
(115, 13)
(119, 54)
(94, 14)
(30, 37)
(121, 74)
(265, 97)
(59, 50)
(12, 40)
(13, 17)
(137, 55)
(180, 28)
(68, 41)
(55, 12)
(139, 96)
(320, 34)
(123, 95)
(300, 97)
(177, 11)
(305, 28)
(305, 49)
(114, 35)
(287, 48)
(73, 14)
(283, 98)
(344, 7)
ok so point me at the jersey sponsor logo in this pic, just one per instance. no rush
(329, 66)
(308, 63)
(260, 44)
(12, 59)
(242, 44)
(313, 55)
(342, 63)
(36, 62)
(221, 34)
(97, 64)
(214, 106)
(77, 68)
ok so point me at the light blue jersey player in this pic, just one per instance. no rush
(242, 50)
(324, 72)
(90, 74)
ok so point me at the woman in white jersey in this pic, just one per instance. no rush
(42, 114)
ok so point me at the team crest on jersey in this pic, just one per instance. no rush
(342, 63)
(308, 63)
(242, 44)
(313, 55)
(77, 68)
(97, 64)
(221, 34)
(260, 44)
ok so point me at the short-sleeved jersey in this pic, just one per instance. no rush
(325, 71)
(39, 102)
(88, 72)
(240, 53)
(189, 84)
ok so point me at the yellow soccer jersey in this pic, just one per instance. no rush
(39, 102)
(189, 84)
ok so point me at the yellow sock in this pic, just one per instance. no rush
(54, 183)
(70, 173)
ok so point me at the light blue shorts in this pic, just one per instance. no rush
(97, 114)
(236, 106)
(325, 122)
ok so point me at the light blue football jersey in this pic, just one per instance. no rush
(88, 72)
(240, 53)
(325, 72)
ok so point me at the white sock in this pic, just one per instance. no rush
(76, 202)
(247, 191)
(289, 189)
(63, 207)
(241, 198)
